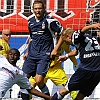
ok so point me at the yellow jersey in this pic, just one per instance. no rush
(5, 46)
(63, 47)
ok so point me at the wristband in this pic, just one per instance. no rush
(67, 55)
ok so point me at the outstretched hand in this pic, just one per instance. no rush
(96, 26)
(53, 54)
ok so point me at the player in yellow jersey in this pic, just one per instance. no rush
(4, 42)
(56, 73)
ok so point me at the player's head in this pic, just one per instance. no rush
(13, 56)
(6, 34)
(38, 9)
(67, 34)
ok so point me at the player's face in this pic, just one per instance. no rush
(13, 56)
(67, 39)
(38, 11)
(6, 36)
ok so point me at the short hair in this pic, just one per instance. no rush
(67, 31)
(15, 50)
(37, 2)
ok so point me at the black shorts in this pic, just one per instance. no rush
(85, 81)
(36, 66)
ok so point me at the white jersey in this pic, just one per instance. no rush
(10, 75)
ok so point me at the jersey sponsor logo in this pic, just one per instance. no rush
(94, 54)
(38, 32)
(16, 13)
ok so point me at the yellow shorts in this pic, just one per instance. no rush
(57, 75)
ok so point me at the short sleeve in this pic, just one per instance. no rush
(54, 25)
(76, 37)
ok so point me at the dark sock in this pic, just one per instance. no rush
(75, 99)
(45, 90)
(25, 96)
(57, 96)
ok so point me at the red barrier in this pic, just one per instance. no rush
(71, 13)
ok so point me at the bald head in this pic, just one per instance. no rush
(6, 34)
(5, 31)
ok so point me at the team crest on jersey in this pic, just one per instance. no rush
(43, 25)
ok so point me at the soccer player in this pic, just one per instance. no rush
(85, 78)
(10, 74)
(4, 42)
(56, 72)
(4, 46)
(41, 28)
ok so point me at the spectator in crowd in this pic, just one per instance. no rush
(85, 77)
(10, 74)
(4, 42)
(41, 28)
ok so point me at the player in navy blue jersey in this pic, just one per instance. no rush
(86, 77)
(42, 29)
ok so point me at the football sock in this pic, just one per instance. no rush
(60, 97)
(24, 94)
(57, 96)
(45, 90)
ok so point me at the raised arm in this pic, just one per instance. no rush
(86, 28)
(54, 52)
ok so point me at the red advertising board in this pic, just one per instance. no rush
(14, 14)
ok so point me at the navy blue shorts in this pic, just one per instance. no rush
(34, 66)
(85, 81)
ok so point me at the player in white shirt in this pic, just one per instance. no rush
(10, 74)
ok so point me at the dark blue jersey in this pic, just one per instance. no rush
(89, 50)
(42, 33)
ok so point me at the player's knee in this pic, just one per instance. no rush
(39, 80)
(64, 91)
(39, 83)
